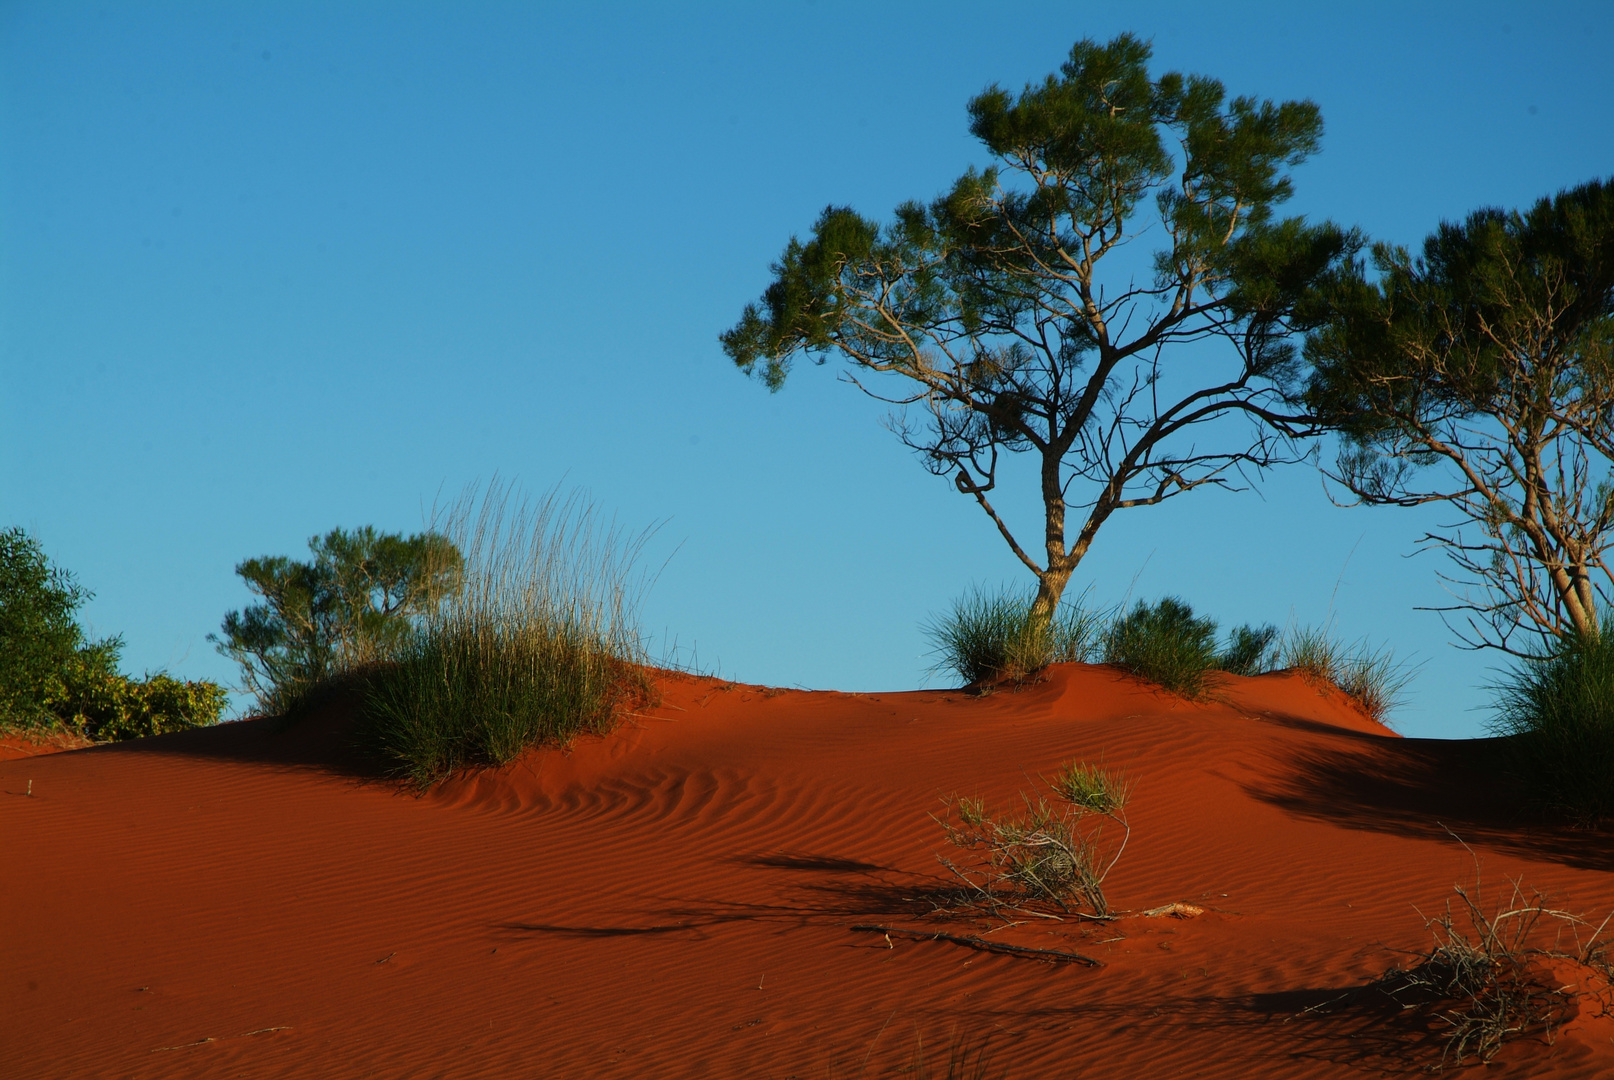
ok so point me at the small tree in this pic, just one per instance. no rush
(1012, 312)
(1481, 377)
(53, 677)
(40, 637)
(350, 605)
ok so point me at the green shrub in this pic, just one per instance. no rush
(53, 678)
(1559, 711)
(104, 705)
(353, 604)
(1051, 852)
(989, 635)
(39, 632)
(538, 644)
(1166, 644)
(1249, 650)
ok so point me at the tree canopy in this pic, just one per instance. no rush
(1014, 315)
(1480, 376)
(54, 677)
(349, 605)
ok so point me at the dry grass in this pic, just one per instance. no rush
(1372, 678)
(1485, 979)
(1049, 852)
(539, 643)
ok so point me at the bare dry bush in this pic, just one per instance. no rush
(1487, 977)
(1049, 852)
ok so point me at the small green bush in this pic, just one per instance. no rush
(1249, 650)
(353, 604)
(1049, 852)
(104, 705)
(1166, 644)
(1559, 712)
(537, 644)
(989, 635)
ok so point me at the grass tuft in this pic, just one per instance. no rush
(1092, 788)
(1373, 679)
(1559, 711)
(539, 644)
(1166, 644)
(1249, 650)
(988, 636)
(1049, 852)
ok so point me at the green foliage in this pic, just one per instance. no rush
(992, 635)
(104, 705)
(1093, 788)
(39, 631)
(1559, 711)
(537, 645)
(1048, 851)
(1481, 375)
(1249, 650)
(1005, 331)
(52, 677)
(1166, 644)
(350, 605)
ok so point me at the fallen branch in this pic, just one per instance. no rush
(1054, 956)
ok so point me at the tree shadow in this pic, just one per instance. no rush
(824, 864)
(1359, 1026)
(1428, 789)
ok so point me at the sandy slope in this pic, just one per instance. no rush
(675, 900)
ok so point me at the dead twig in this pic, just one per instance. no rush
(971, 941)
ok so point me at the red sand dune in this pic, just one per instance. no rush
(676, 899)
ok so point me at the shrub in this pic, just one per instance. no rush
(1491, 975)
(1373, 679)
(1559, 711)
(1249, 650)
(1166, 644)
(39, 632)
(1050, 851)
(104, 705)
(990, 635)
(53, 678)
(539, 642)
(351, 605)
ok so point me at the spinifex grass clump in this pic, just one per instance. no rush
(991, 635)
(537, 645)
(1559, 711)
(1167, 643)
(1373, 679)
(1051, 851)
(1164, 643)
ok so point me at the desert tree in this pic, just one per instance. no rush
(351, 604)
(1480, 377)
(55, 677)
(1017, 314)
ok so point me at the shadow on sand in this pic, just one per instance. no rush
(1428, 789)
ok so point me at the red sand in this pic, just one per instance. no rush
(676, 899)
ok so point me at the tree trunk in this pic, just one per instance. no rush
(1050, 587)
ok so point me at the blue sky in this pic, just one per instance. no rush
(266, 269)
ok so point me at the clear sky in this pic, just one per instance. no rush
(270, 268)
